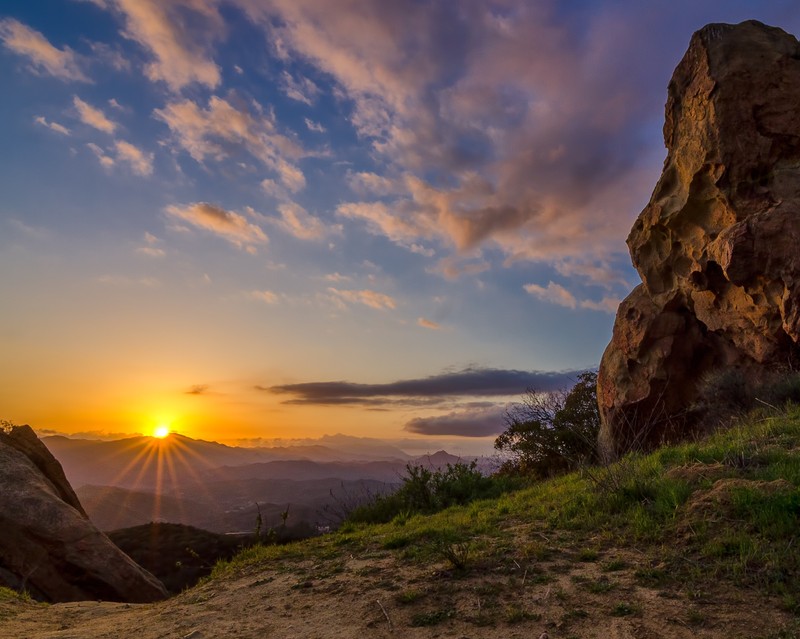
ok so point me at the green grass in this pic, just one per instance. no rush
(631, 503)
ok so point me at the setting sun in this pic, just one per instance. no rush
(161, 432)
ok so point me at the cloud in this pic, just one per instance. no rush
(176, 34)
(106, 161)
(140, 162)
(43, 56)
(470, 382)
(369, 298)
(268, 297)
(477, 422)
(93, 117)
(151, 247)
(198, 389)
(296, 221)
(314, 126)
(300, 88)
(369, 183)
(226, 224)
(557, 294)
(514, 126)
(426, 323)
(336, 277)
(213, 132)
(53, 126)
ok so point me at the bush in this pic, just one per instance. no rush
(551, 433)
(426, 491)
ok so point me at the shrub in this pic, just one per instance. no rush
(551, 433)
(426, 491)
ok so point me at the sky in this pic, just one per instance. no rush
(252, 220)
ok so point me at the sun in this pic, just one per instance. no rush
(161, 431)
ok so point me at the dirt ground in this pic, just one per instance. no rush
(379, 595)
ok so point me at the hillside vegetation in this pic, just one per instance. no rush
(692, 521)
(697, 539)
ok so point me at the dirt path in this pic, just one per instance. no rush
(379, 596)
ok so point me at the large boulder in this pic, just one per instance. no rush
(47, 543)
(718, 245)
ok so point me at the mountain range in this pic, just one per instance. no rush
(177, 479)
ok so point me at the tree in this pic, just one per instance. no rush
(551, 433)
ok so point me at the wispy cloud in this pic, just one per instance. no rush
(557, 294)
(299, 88)
(226, 224)
(176, 44)
(198, 389)
(53, 126)
(209, 133)
(476, 422)
(151, 246)
(268, 297)
(314, 126)
(93, 117)
(373, 299)
(426, 323)
(140, 162)
(298, 222)
(471, 382)
(106, 161)
(43, 56)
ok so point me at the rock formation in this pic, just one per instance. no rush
(47, 543)
(718, 245)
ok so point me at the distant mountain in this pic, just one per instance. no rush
(135, 481)
(163, 464)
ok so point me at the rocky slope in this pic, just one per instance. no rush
(717, 245)
(47, 543)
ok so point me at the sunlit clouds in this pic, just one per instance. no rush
(177, 58)
(226, 224)
(259, 197)
(372, 299)
(93, 117)
(206, 133)
(42, 56)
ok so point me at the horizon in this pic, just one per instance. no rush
(246, 221)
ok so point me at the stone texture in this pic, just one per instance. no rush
(47, 543)
(718, 245)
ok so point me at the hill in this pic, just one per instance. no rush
(692, 540)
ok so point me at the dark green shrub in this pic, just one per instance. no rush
(427, 491)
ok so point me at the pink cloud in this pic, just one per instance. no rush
(43, 56)
(373, 299)
(226, 224)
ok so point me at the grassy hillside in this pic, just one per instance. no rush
(709, 521)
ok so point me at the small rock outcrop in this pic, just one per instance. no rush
(47, 543)
(718, 245)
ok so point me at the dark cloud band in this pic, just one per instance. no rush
(478, 382)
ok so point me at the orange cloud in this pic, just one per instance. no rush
(229, 225)
(425, 323)
(557, 294)
(178, 57)
(93, 117)
(369, 298)
(206, 133)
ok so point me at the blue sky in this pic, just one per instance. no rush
(206, 202)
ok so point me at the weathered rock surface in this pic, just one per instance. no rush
(718, 245)
(47, 543)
